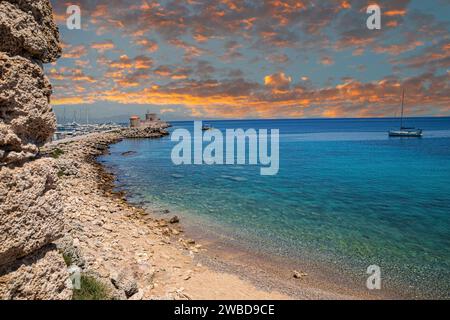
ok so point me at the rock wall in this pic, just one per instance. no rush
(26, 118)
(27, 29)
(31, 212)
(40, 276)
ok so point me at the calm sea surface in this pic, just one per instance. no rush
(345, 193)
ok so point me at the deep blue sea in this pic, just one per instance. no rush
(345, 193)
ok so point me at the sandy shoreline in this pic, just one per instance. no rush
(161, 257)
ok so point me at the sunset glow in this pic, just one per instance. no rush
(246, 59)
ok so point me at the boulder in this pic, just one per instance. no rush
(40, 276)
(30, 209)
(125, 282)
(69, 248)
(299, 274)
(26, 118)
(174, 220)
(27, 29)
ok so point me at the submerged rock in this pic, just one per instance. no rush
(129, 153)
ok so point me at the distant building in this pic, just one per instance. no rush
(135, 122)
(150, 118)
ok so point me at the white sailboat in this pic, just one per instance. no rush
(405, 131)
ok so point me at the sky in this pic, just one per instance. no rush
(242, 59)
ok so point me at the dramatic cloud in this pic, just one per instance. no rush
(278, 80)
(242, 58)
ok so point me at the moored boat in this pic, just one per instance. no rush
(405, 131)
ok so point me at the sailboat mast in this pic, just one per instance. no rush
(403, 105)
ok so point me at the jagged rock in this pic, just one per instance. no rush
(125, 282)
(30, 209)
(67, 246)
(41, 276)
(27, 29)
(26, 118)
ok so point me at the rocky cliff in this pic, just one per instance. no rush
(31, 213)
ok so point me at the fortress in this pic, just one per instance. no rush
(150, 119)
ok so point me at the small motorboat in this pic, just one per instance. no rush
(405, 131)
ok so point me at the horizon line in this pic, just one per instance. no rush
(320, 118)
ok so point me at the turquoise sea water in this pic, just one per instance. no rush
(345, 192)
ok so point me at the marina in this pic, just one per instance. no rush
(75, 129)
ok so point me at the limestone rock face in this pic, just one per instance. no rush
(41, 276)
(26, 118)
(27, 29)
(30, 209)
(31, 213)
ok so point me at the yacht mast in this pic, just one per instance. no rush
(403, 106)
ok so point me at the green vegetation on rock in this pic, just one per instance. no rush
(91, 289)
(56, 153)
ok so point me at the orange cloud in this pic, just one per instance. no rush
(103, 46)
(74, 52)
(277, 80)
(392, 13)
(147, 44)
(239, 99)
(345, 5)
(396, 49)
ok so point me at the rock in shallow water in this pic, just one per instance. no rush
(174, 220)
